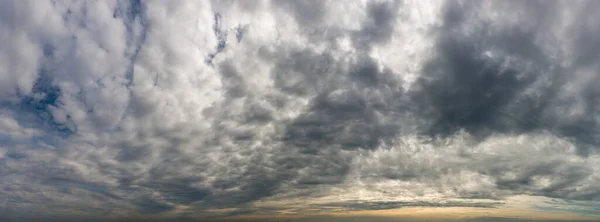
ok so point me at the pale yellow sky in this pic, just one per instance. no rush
(515, 208)
(426, 214)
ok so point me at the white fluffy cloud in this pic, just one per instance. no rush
(180, 108)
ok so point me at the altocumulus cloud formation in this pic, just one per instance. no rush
(214, 109)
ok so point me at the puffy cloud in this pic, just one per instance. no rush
(167, 109)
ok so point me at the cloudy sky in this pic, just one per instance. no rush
(299, 110)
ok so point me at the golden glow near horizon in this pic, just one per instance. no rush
(432, 213)
(516, 207)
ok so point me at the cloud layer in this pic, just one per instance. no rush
(148, 108)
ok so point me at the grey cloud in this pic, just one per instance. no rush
(396, 205)
(150, 206)
(379, 24)
(233, 81)
(206, 137)
(564, 176)
(179, 191)
(301, 72)
(338, 114)
(305, 12)
(337, 117)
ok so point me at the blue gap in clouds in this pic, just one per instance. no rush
(221, 37)
(217, 29)
(586, 208)
(84, 186)
(136, 23)
(34, 111)
(578, 208)
(132, 12)
(239, 33)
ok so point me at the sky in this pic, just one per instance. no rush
(299, 110)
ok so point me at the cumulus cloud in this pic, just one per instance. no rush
(168, 109)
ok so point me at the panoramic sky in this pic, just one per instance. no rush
(299, 110)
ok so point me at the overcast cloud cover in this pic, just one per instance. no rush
(195, 109)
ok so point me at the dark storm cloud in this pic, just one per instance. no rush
(585, 41)
(464, 88)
